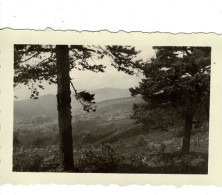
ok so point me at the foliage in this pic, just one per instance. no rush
(34, 64)
(105, 160)
(159, 118)
(178, 78)
(153, 152)
(138, 157)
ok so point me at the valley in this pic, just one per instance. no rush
(107, 140)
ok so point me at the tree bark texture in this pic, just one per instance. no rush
(187, 130)
(64, 108)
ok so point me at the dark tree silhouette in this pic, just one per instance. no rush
(178, 78)
(34, 64)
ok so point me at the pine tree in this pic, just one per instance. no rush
(176, 78)
(34, 64)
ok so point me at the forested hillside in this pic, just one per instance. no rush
(112, 136)
(161, 125)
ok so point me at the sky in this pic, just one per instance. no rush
(90, 80)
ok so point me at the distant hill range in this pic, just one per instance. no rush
(47, 104)
(110, 93)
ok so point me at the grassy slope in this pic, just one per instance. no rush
(129, 148)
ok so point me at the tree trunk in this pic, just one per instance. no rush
(207, 107)
(187, 130)
(64, 108)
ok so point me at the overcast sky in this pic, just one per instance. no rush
(89, 80)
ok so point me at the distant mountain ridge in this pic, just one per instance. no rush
(47, 104)
(109, 93)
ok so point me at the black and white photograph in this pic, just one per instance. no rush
(136, 109)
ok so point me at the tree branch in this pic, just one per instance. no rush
(30, 57)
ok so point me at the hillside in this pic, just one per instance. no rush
(109, 93)
(107, 140)
(46, 105)
(111, 119)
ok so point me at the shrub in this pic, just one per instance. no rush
(105, 160)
